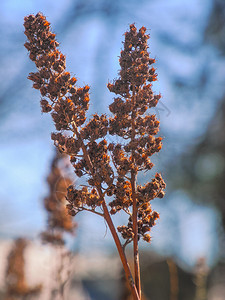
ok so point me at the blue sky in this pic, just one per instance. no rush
(92, 44)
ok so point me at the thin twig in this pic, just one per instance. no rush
(93, 211)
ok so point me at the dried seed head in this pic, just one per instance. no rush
(132, 123)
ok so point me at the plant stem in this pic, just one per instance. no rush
(93, 211)
(135, 210)
(109, 220)
(135, 241)
(174, 285)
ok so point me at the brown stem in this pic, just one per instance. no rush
(135, 210)
(109, 220)
(173, 279)
(135, 241)
(93, 211)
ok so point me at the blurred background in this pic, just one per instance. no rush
(187, 38)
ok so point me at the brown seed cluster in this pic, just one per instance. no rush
(134, 62)
(68, 105)
(16, 285)
(96, 128)
(67, 102)
(138, 130)
(110, 169)
(59, 221)
(79, 198)
(146, 220)
(146, 217)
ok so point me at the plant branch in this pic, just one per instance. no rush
(93, 211)
(135, 210)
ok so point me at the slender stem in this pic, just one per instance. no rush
(109, 220)
(135, 210)
(121, 253)
(174, 285)
(93, 211)
(135, 241)
(126, 243)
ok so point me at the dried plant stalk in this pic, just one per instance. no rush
(110, 169)
(16, 285)
(59, 221)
